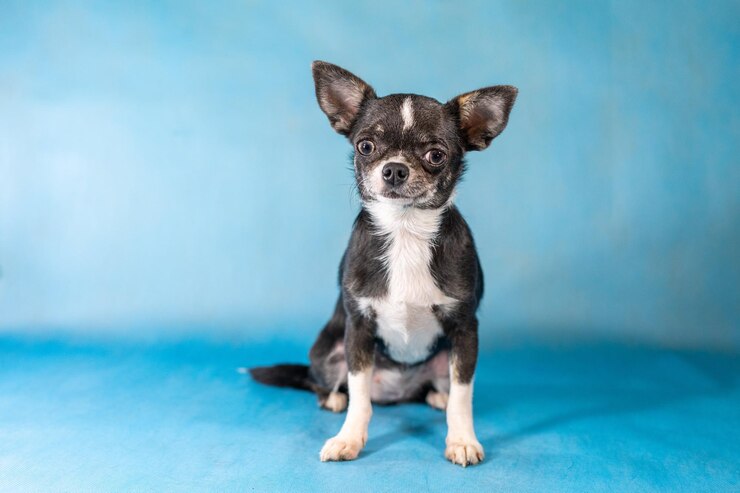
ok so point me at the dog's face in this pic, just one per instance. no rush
(409, 149)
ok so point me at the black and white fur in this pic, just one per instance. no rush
(404, 327)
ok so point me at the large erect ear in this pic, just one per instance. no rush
(340, 94)
(483, 114)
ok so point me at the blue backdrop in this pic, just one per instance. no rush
(164, 167)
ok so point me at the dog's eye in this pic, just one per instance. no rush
(365, 147)
(435, 157)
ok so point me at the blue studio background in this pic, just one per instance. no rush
(173, 205)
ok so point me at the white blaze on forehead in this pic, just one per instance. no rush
(407, 113)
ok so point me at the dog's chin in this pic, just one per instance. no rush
(394, 197)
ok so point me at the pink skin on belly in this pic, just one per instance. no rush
(389, 385)
(440, 365)
(396, 384)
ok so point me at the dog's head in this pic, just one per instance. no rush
(409, 149)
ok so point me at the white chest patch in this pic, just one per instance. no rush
(404, 316)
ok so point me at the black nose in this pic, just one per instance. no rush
(395, 173)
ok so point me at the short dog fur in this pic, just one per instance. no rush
(404, 327)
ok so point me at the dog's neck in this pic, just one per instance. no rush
(392, 219)
(410, 234)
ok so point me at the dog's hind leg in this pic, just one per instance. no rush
(439, 369)
(328, 362)
(334, 369)
(335, 401)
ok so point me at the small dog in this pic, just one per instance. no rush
(404, 327)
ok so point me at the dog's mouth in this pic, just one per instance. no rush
(401, 198)
(407, 191)
(395, 194)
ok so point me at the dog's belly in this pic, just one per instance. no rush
(408, 330)
(397, 383)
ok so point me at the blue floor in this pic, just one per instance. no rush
(177, 416)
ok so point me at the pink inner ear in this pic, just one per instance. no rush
(343, 99)
(479, 125)
(482, 119)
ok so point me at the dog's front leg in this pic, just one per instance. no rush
(462, 445)
(360, 350)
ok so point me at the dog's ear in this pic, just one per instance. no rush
(340, 94)
(483, 114)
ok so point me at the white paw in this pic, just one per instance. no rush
(464, 452)
(341, 448)
(336, 402)
(438, 400)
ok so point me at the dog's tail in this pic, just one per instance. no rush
(286, 375)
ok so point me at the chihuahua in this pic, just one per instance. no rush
(404, 327)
